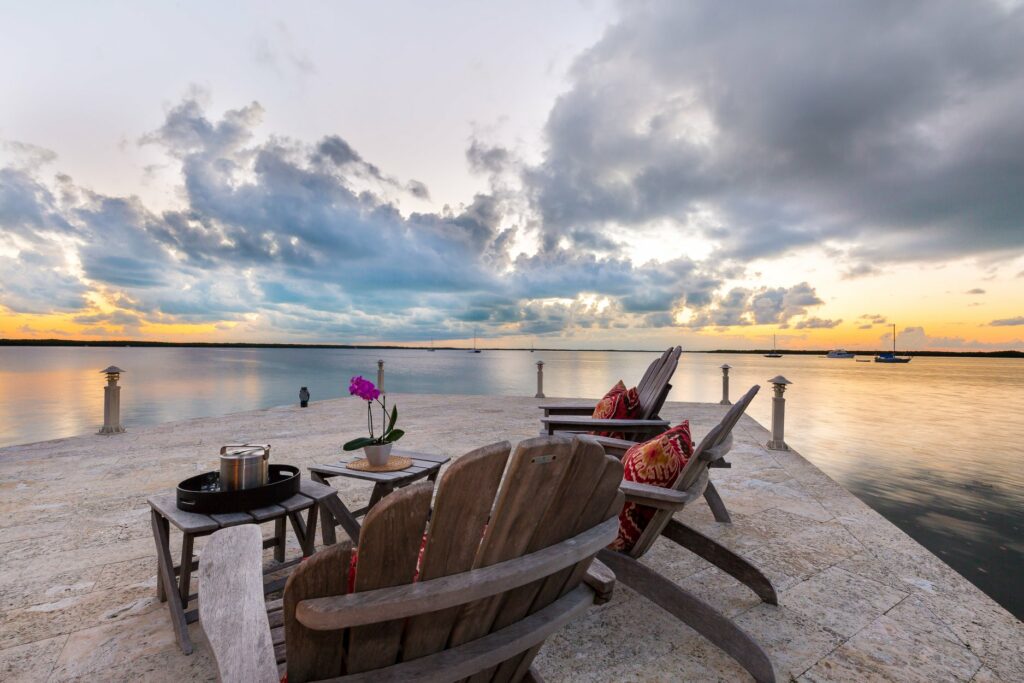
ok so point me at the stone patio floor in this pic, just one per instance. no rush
(859, 600)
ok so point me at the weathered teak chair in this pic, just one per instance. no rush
(652, 390)
(619, 447)
(501, 569)
(689, 485)
(586, 408)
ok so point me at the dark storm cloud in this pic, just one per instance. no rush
(892, 127)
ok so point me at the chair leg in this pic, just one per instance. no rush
(716, 504)
(723, 558)
(692, 611)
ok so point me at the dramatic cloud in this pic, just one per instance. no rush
(762, 306)
(870, 132)
(303, 239)
(788, 126)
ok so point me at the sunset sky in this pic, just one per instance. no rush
(565, 174)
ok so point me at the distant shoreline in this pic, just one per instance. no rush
(246, 345)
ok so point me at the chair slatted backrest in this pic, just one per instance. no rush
(652, 369)
(653, 392)
(554, 489)
(717, 439)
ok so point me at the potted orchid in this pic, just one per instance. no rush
(377, 448)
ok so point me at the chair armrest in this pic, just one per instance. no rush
(657, 496)
(590, 424)
(568, 408)
(232, 611)
(714, 455)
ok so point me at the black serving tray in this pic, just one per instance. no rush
(202, 494)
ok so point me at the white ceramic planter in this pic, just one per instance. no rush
(378, 455)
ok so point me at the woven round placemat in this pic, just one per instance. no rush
(394, 463)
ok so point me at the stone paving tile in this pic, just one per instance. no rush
(986, 675)
(721, 591)
(102, 649)
(793, 641)
(30, 662)
(840, 601)
(909, 643)
(78, 576)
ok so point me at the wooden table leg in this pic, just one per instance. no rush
(380, 489)
(185, 575)
(280, 534)
(160, 520)
(327, 521)
(309, 547)
(165, 569)
(337, 511)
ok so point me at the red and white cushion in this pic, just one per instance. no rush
(619, 403)
(656, 462)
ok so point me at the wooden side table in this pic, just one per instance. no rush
(164, 511)
(424, 466)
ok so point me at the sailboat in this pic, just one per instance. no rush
(432, 345)
(887, 357)
(774, 353)
(474, 349)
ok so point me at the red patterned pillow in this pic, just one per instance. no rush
(657, 462)
(619, 403)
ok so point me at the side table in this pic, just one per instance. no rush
(164, 511)
(424, 466)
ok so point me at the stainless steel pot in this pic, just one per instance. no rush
(245, 466)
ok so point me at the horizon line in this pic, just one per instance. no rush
(1005, 353)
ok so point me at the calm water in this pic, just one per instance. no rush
(937, 446)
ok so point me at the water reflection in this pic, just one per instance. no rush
(934, 445)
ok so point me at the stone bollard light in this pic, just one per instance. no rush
(725, 386)
(304, 397)
(112, 402)
(380, 375)
(778, 442)
(540, 379)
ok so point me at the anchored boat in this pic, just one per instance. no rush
(888, 357)
(839, 353)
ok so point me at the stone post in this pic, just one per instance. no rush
(540, 379)
(725, 386)
(112, 402)
(778, 442)
(380, 375)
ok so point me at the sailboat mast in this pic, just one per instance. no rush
(894, 339)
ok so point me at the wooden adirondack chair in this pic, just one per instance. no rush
(586, 408)
(652, 394)
(505, 563)
(618, 447)
(689, 485)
